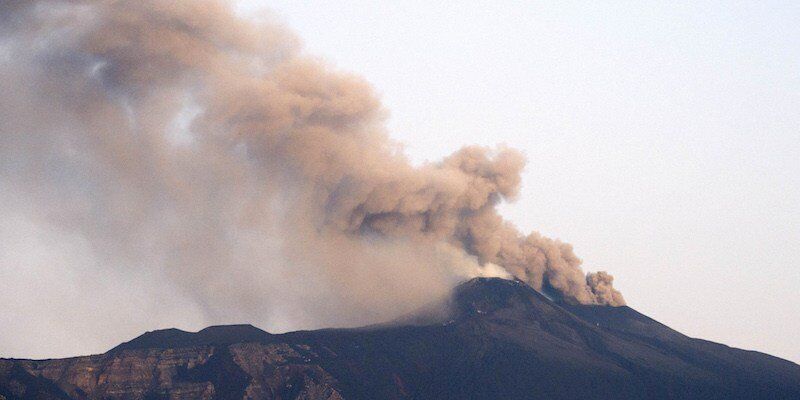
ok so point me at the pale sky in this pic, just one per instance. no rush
(662, 142)
(663, 139)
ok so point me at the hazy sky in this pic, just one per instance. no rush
(662, 142)
(663, 139)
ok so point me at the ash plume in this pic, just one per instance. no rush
(192, 145)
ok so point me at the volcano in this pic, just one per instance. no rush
(498, 339)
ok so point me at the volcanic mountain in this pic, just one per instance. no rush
(499, 339)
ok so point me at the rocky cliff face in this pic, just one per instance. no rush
(500, 339)
(233, 371)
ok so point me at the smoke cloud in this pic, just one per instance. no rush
(179, 143)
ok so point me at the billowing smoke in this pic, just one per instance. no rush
(179, 140)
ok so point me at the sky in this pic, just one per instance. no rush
(661, 142)
(662, 138)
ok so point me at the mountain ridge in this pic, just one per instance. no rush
(498, 339)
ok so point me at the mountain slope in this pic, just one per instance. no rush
(499, 339)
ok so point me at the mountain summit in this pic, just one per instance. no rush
(498, 339)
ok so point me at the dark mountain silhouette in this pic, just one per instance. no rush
(499, 339)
